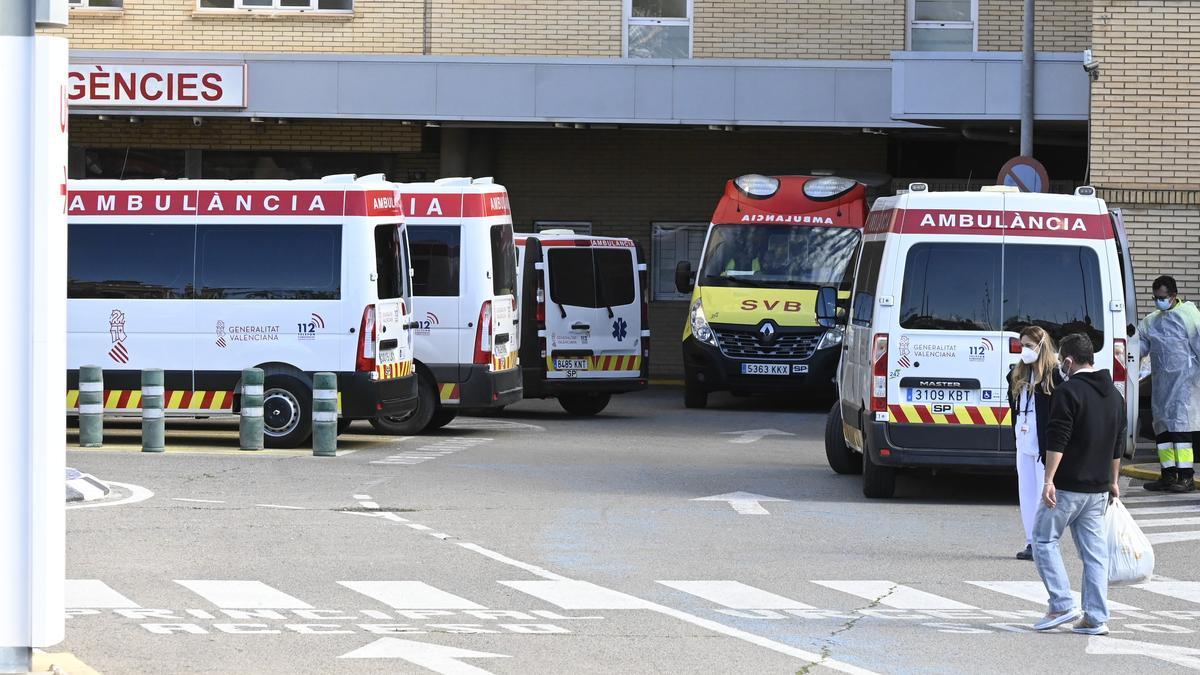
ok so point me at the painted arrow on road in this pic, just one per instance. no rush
(437, 658)
(1180, 656)
(752, 435)
(744, 503)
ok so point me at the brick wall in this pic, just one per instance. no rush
(623, 181)
(1060, 25)
(376, 27)
(228, 133)
(798, 29)
(530, 27)
(1163, 240)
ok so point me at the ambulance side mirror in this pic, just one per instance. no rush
(827, 309)
(683, 277)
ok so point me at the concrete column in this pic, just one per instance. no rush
(453, 150)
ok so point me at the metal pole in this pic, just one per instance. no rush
(1027, 84)
(16, 648)
(91, 407)
(154, 426)
(324, 415)
(250, 415)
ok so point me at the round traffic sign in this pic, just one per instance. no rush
(1024, 173)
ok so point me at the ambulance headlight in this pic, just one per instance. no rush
(758, 186)
(700, 328)
(827, 187)
(832, 338)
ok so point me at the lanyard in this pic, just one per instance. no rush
(1027, 406)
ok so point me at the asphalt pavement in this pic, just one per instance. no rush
(648, 539)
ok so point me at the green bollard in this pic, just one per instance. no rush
(250, 424)
(91, 407)
(324, 415)
(154, 431)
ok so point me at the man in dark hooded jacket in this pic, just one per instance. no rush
(1083, 460)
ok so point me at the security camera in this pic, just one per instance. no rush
(197, 121)
(1090, 65)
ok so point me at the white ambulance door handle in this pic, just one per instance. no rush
(374, 276)
(1116, 306)
(580, 326)
(886, 301)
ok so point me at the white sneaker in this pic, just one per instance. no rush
(1055, 620)
(1084, 628)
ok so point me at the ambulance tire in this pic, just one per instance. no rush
(584, 405)
(694, 396)
(414, 422)
(441, 418)
(287, 412)
(842, 458)
(879, 482)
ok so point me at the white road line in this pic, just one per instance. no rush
(1168, 522)
(1173, 537)
(735, 595)
(230, 594)
(369, 505)
(280, 506)
(1035, 591)
(198, 501)
(418, 526)
(410, 595)
(441, 535)
(500, 557)
(1193, 508)
(1167, 497)
(891, 594)
(137, 494)
(570, 594)
(94, 594)
(1183, 590)
(361, 497)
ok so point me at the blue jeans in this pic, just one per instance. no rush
(1084, 514)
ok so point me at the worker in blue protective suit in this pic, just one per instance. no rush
(1171, 336)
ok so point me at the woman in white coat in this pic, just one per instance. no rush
(1030, 384)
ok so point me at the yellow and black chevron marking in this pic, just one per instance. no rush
(449, 393)
(131, 399)
(959, 414)
(606, 363)
(391, 371)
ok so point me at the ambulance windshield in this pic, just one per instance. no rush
(778, 256)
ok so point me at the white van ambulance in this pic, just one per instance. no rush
(944, 284)
(204, 278)
(465, 294)
(584, 322)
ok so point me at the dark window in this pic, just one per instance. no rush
(130, 163)
(586, 277)
(389, 262)
(130, 261)
(952, 287)
(504, 261)
(867, 281)
(1055, 287)
(778, 256)
(276, 262)
(435, 259)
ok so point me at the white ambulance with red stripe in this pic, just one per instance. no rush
(584, 322)
(204, 278)
(944, 284)
(464, 294)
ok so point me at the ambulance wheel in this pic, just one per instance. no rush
(694, 396)
(842, 458)
(584, 405)
(414, 422)
(879, 482)
(441, 418)
(287, 412)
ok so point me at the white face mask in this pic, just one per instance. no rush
(1163, 303)
(1028, 355)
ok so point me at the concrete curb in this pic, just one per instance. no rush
(82, 487)
(1146, 472)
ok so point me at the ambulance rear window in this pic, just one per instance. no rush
(435, 254)
(388, 262)
(591, 277)
(504, 261)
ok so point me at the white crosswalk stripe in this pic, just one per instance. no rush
(94, 594)
(1035, 591)
(1176, 508)
(228, 594)
(735, 595)
(1183, 590)
(570, 594)
(891, 594)
(410, 595)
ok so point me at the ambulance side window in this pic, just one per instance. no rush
(269, 262)
(436, 252)
(866, 282)
(130, 261)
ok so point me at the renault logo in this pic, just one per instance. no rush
(766, 331)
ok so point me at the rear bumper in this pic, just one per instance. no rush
(364, 398)
(483, 388)
(985, 448)
(537, 385)
(707, 367)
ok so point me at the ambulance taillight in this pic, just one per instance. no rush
(1014, 345)
(1119, 373)
(879, 348)
(483, 335)
(365, 362)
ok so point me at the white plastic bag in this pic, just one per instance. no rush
(1130, 556)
